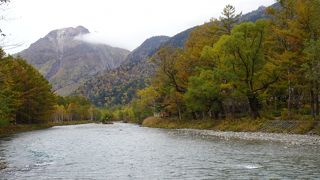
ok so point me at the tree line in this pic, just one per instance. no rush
(26, 97)
(232, 69)
(73, 108)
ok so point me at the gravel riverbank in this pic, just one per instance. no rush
(294, 139)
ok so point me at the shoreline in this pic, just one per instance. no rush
(238, 125)
(262, 130)
(19, 128)
(292, 139)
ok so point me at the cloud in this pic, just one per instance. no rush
(121, 40)
(93, 38)
(120, 23)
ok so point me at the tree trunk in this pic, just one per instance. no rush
(289, 96)
(313, 113)
(179, 113)
(317, 99)
(203, 115)
(194, 115)
(233, 108)
(254, 105)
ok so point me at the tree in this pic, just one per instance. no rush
(8, 98)
(311, 71)
(244, 53)
(226, 67)
(296, 27)
(203, 94)
(75, 108)
(59, 113)
(146, 102)
(37, 99)
(72, 111)
(229, 18)
(26, 95)
(166, 59)
(167, 82)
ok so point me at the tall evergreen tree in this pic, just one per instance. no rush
(31, 98)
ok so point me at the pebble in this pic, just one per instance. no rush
(294, 139)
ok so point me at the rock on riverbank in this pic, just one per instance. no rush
(294, 139)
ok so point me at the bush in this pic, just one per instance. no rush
(276, 113)
(4, 122)
(107, 117)
(305, 110)
(286, 116)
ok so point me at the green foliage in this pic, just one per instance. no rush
(244, 54)
(132, 113)
(7, 99)
(203, 93)
(268, 68)
(26, 96)
(107, 116)
(230, 18)
(75, 108)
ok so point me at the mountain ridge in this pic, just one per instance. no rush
(136, 70)
(119, 85)
(67, 61)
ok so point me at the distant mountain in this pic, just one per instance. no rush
(179, 39)
(66, 61)
(119, 85)
(260, 13)
(145, 50)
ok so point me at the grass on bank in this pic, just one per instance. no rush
(238, 125)
(9, 129)
(65, 123)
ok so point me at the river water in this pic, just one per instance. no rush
(126, 151)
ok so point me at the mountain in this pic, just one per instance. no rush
(260, 13)
(179, 39)
(120, 85)
(67, 61)
(145, 50)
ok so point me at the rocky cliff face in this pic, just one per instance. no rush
(67, 61)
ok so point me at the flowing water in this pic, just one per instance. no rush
(126, 151)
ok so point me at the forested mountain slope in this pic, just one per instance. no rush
(119, 85)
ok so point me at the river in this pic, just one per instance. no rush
(126, 151)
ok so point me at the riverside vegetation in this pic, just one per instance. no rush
(230, 75)
(27, 101)
(230, 71)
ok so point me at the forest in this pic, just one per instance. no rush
(229, 70)
(25, 94)
(26, 97)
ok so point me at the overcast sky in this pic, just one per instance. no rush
(120, 23)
